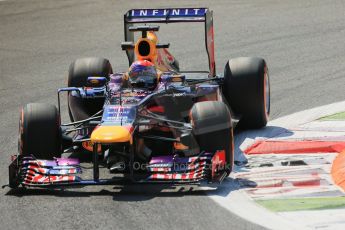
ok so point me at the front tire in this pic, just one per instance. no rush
(212, 127)
(247, 90)
(79, 71)
(39, 131)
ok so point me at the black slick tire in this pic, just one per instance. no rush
(212, 128)
(79, 71)
(247, 90)
(39, 131)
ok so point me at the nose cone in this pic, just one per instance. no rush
(111, 134)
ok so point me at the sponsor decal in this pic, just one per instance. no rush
(118, 114)
(176, 12)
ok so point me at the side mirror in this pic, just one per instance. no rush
(162, 45)
(96, 81)
(127, 45)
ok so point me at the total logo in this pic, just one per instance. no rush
(168, 12)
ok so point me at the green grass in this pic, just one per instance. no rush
(285, 205)
(337, 116)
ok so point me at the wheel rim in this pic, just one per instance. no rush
(267, 92)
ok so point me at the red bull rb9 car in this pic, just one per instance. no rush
(150, 124)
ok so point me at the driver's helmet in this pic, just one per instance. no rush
(143, 74)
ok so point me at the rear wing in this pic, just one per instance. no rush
(173, 15)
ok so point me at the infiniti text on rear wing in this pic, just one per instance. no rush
(173, 15)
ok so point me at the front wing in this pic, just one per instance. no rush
(60, 172)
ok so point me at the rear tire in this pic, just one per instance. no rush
(79, 71)
(247, 90)
(212, 127)
(39, 131)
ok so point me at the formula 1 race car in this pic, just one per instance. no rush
(150, 124)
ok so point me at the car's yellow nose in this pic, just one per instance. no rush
(111, 134)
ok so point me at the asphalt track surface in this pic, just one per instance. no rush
(302, 41)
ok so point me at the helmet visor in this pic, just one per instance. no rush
(143, 78)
